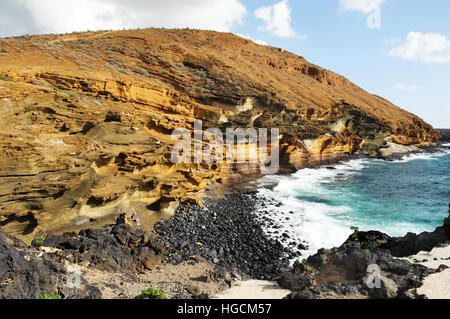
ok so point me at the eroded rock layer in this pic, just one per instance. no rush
(87, 119)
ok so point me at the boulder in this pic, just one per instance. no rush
(27, 273)
(412, 243)
(111, 248)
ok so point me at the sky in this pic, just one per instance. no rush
(397, 49)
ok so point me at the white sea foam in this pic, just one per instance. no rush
(309, 222)
(314, 214)
(423, 156)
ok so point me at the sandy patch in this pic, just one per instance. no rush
(254, 289)
(173, 280)
(435, 286)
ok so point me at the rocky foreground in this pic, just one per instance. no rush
(225, 232)
(349, 271)
(201, 251)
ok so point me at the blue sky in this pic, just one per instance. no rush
(403, 56)
(341, 41)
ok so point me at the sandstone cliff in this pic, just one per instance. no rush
(86, 120)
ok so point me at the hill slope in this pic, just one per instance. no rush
(87, 118)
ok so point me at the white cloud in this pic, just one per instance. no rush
(246, 36)
(278, 20)
(260, 42)
(403, 87)
(55, 16)
(392, 41)
(428, 48)
(365, 6)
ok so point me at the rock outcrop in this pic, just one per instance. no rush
(353, 272)
(121, 248)
(411, 243)
(28, 273)
(87, 119)
(53, 265)
(445, 135)
(365, 266)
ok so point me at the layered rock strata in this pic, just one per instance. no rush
(87, 120)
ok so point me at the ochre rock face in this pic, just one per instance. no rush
(87, 120)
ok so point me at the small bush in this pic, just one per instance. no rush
(6, 79)
(199, 89)
(4, 50)
(308, 267)
(40, 240)
(151, 293)
(52, 296)
(143, 72)
(355, 232)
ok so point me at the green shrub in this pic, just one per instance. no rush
(40, 240)
(52, 296)
(355, 232)
(4, 50)
(199, 89)
(308, 267)
(151, 293)
(143, 72)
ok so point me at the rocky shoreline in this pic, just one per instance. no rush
(227, 239)
(227, 233)
(352, 270)
(397, 152)
(445, 135)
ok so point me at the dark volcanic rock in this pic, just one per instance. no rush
(349, 271)
(29, 272)
(408, 245)
(224, 232)
(365, 266)
(445, 135)
(412, 243)
(111, 248)
(26, 273)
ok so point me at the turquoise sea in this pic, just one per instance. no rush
(395, 197)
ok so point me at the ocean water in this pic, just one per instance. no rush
(320, 205)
